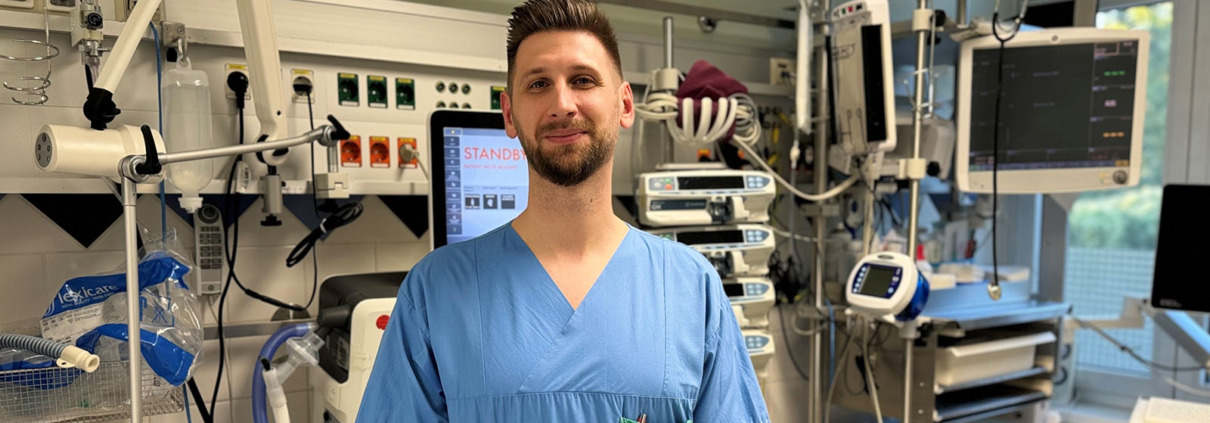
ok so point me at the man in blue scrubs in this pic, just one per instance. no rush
(567, 314)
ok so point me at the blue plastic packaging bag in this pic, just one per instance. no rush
(90, 312)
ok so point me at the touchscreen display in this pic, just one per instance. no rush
(486, 181)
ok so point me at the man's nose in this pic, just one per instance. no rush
(564, 103)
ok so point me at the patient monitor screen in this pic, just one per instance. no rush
(1066, 106)
(486, 180)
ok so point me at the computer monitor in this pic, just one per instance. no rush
(479, 178)
(1071, 114)
(1178, 281)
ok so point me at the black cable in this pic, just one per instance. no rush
(314, 201)
(995, 277)
(229, 254)
(200, 402)
(781, 313)
(343, 216)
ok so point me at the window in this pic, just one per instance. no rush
(1112, 234)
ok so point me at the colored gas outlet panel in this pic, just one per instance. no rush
(348, 91)
(350, 152)
(410, 164)
(497, 90)
(405, 94)
(380, 152)
(376, 91)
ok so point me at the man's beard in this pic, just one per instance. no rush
(568, 165)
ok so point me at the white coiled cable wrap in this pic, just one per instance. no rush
(718, 116)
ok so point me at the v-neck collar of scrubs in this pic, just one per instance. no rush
(548, 283)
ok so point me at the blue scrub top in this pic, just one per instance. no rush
(480, 333)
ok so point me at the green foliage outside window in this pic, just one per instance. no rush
(1129, 218)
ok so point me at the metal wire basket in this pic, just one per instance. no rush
(70, 395)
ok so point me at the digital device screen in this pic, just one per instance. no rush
(711, 182)
(877, 281)
(1065, 106)
(733, 289)
(1177, 281)
(486, 180)
(710, 237)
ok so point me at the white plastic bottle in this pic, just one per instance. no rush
(187, 126)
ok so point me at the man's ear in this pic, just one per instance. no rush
(506, 108)
(627, 119)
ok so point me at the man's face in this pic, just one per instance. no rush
(566, 105)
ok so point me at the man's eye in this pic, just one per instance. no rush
(537, 85)
(584, 81)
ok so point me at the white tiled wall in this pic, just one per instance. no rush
(36, 257)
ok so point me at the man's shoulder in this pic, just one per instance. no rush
(676, 254)
(460, 256)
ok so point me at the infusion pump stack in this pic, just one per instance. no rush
(723, 214)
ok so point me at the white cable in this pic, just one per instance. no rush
(835, 191)
(1180, 386)
(423, 169)
(1150, 365)
(787, 234)
(664, 107)
(747, 124)
(869, 375)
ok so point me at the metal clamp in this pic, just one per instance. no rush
(174, 36)
(914, 169)
(922, 19)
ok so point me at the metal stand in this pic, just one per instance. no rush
(815, 372)
(922, 22)
(134, 342)
(327, 135)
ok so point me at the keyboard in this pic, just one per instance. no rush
(1162, 410)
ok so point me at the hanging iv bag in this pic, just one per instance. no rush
(187, 127)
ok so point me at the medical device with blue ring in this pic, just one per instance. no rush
(887, 283)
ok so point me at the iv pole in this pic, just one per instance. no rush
(136, 169)
(922, 24)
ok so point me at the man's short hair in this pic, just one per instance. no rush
(559, 15)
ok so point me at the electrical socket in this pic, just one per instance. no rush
(780, 69)
(230, 69)
(302, 76)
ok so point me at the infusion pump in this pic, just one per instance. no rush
(704, 197)
(753, 297)
(760, 351)
(734, 250)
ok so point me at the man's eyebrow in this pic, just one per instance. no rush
(578, 68)
(532, 72)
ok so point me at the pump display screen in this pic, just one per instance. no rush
(710, 237)
(877, 281)
(712, 182)
(733, 289)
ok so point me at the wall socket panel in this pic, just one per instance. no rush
(781, 69)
